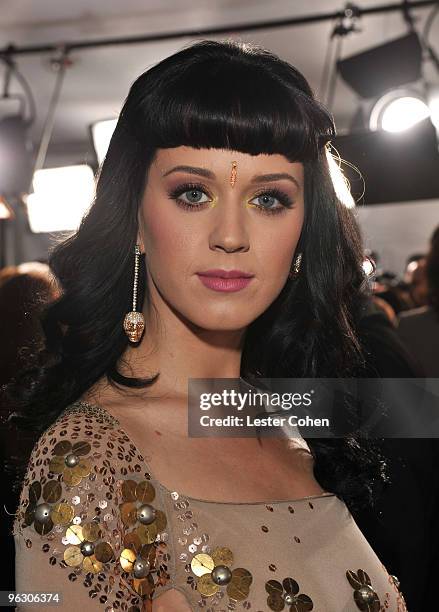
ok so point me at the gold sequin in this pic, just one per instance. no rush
(239, 586)
(206, 586)
(127, 559)
(202, 564)
(104, 552)
(128, 513)
(81, 448)
(222, 556)
(91, 531)
(57, 464)
(214, 570)
(73, 556)
(287, 593)
(129, 490)
(145, 586)
(364, 595)
(91, 564)
(52, 491)
(62, 448)
(147, 533)
(132, 540)
(144, 492)
(62, 514)
(74, 534)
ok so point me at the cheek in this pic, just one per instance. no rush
(276, 249)
(168, 239)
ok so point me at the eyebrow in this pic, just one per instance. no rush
(258, 178)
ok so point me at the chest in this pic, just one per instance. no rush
(225, 469)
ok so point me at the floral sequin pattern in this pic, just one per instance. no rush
(70, 461)
(71, 507)
(209, 569)
(364, 595)
(286, 595)
(86, 547)
(136, 510)
(214, 572)
(40, 511)
(139, 556)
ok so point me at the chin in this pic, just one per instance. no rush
(220, 323)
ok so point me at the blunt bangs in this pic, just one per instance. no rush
(246, 100)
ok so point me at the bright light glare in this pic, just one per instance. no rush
(102, 132)
(434, 110)
(340, 182)
(60, 199)
(367, 266)
(403, 113)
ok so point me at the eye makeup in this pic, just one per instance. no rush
(285, 201)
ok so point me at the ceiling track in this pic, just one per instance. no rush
(66, 47)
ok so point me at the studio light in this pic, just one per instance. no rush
(60, 199)
(385, 67)
(15, 156)
(433, 103)
(102, 132)
(398, 110)
(6, 211)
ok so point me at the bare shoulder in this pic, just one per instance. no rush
(77, 522)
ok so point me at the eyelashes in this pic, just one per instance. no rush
(284, 199)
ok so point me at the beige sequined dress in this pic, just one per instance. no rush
(95, 526)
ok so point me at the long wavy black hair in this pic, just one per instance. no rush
(222, 95)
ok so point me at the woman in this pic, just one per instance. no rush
(219, 161)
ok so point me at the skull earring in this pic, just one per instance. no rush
(134, 322)
(294, 272)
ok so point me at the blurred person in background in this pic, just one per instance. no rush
(418, 328)
(24, 291)
(415, 278)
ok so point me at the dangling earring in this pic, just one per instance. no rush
(294, 272)
(134, 322)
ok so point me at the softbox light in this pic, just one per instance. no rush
(15, 156)
(379, 69)
(396, 167)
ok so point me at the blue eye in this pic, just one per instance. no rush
(267, 199)
(193, 195)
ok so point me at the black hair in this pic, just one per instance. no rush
(432, 272)
(221, 95)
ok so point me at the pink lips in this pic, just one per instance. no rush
(225, 280)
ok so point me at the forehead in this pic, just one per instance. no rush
(219, 161)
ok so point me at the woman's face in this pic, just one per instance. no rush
(198, 214)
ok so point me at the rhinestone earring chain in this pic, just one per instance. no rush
(134, 322)
(295, 271)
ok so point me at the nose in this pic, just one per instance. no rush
(229, 231)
